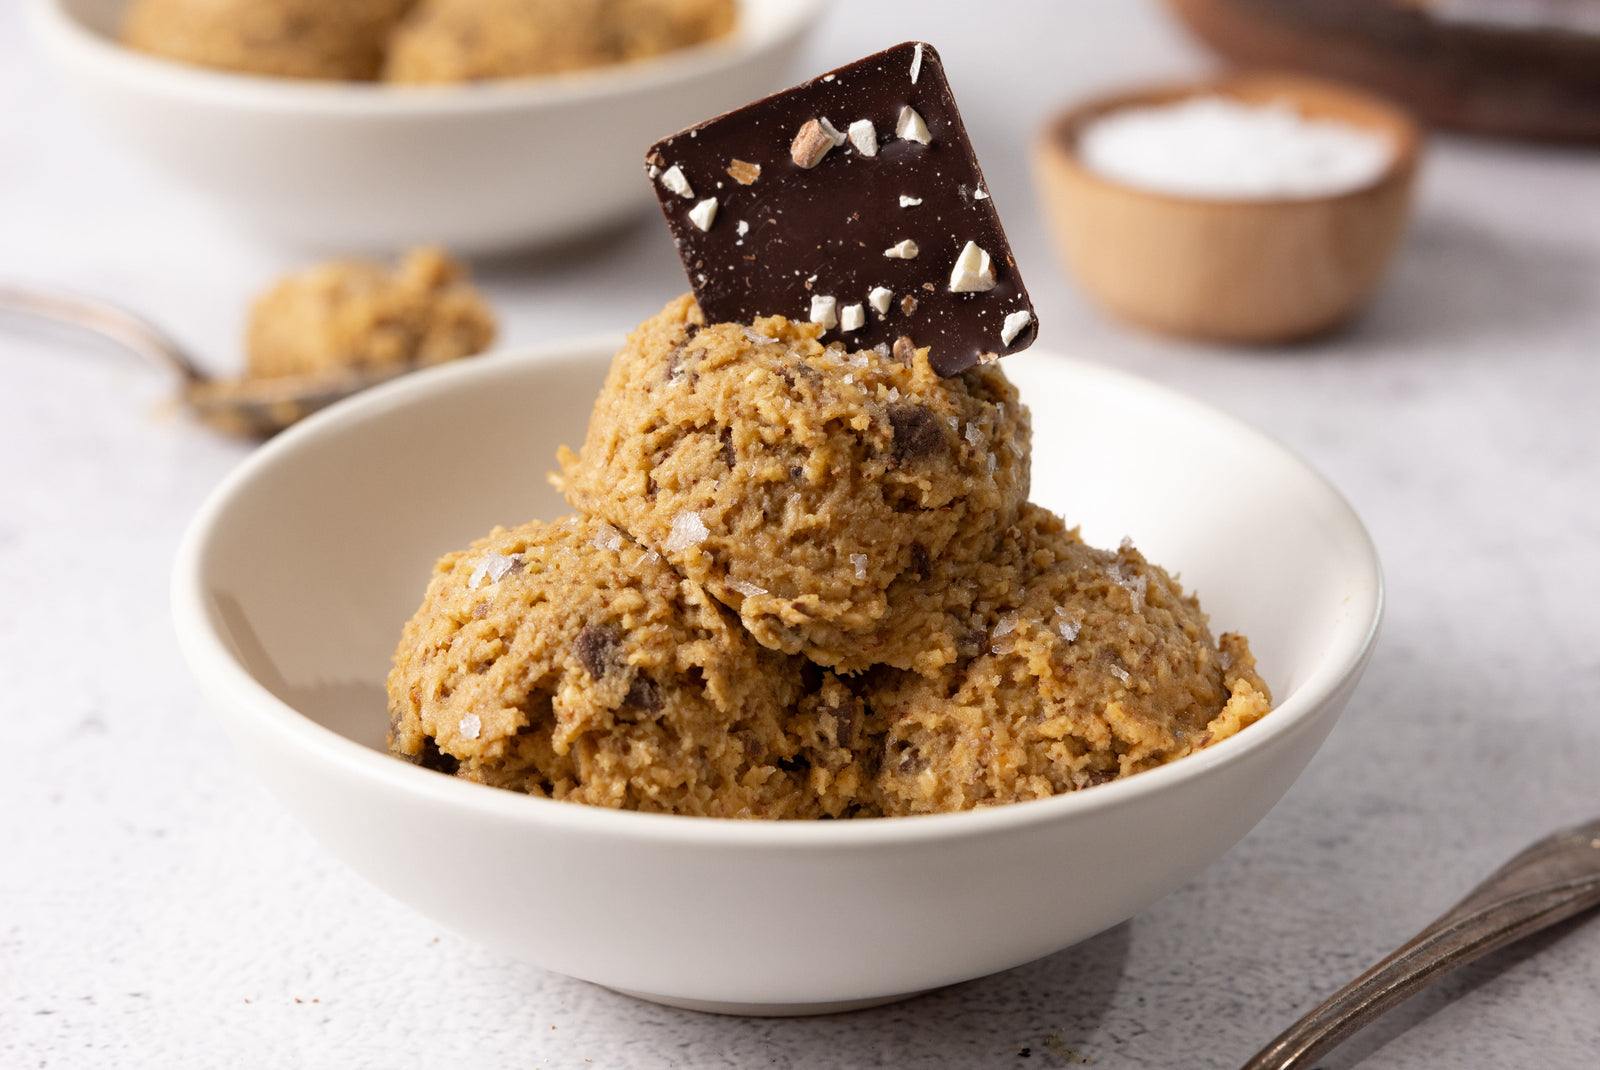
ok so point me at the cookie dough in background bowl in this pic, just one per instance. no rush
(361, 166)
(298, 574)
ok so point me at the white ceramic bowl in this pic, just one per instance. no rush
(353, 166)
(295, 578)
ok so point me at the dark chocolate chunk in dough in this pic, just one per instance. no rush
(788, 207)
(594, 646)
(916, 431)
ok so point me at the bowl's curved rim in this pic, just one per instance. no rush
(60, 30)
(214, 664)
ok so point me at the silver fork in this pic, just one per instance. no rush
(1552, 880)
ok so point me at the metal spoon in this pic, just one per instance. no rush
(1552, 880)
(255, 408)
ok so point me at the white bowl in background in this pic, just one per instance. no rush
(294, 580)
(353, 166)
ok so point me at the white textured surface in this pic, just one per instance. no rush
(158, 909)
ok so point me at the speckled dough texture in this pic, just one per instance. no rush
(564, 660)
(469, 40)
(818, 492)
(1094, 665)
(320, 39)
(355, 313)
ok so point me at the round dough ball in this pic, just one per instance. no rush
(1094, 665)
(564, 660)
(326, 39)
(357, 314)
(818, 492)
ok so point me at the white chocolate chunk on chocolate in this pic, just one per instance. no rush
(879, 299)
(833, 132)
(743, 228)
(825, 310)
(980, 194)
(973, 271)
(916, 64)
(704, 214)
(852, 318)
(909, 202)
(673, 179)
(864, 137)
(902, 250)
(911, 127)
(1014, 325)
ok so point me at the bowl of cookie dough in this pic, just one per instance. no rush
(294, 581)
(328, 142)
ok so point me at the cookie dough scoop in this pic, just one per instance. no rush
(810, 488)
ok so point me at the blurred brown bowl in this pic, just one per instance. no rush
(1251, 271)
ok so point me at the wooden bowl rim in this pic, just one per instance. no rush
(1059, 140)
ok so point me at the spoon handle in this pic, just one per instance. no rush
(104, 319)
(1554, 879)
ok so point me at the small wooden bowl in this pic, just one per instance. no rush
(1253, 271)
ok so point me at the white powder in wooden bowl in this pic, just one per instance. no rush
(1224, 149)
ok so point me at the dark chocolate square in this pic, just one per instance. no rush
(798, 216)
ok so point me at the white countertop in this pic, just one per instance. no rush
(158, 908)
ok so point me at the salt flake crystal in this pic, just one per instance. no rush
(1006, 624)
(973, 271)
(608, 538)
(1135, 585)
(860, 563)
(673, 179)
(894, 393)
(470, 726)
(1120, 673)
(980, 194)
(493, 566)
(704, 214)
(651, 556)
(1069, 627)
(1014, 325)
(864, 137)
(911, 127)
(974, 435)
(749, 590)
(687, 530)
